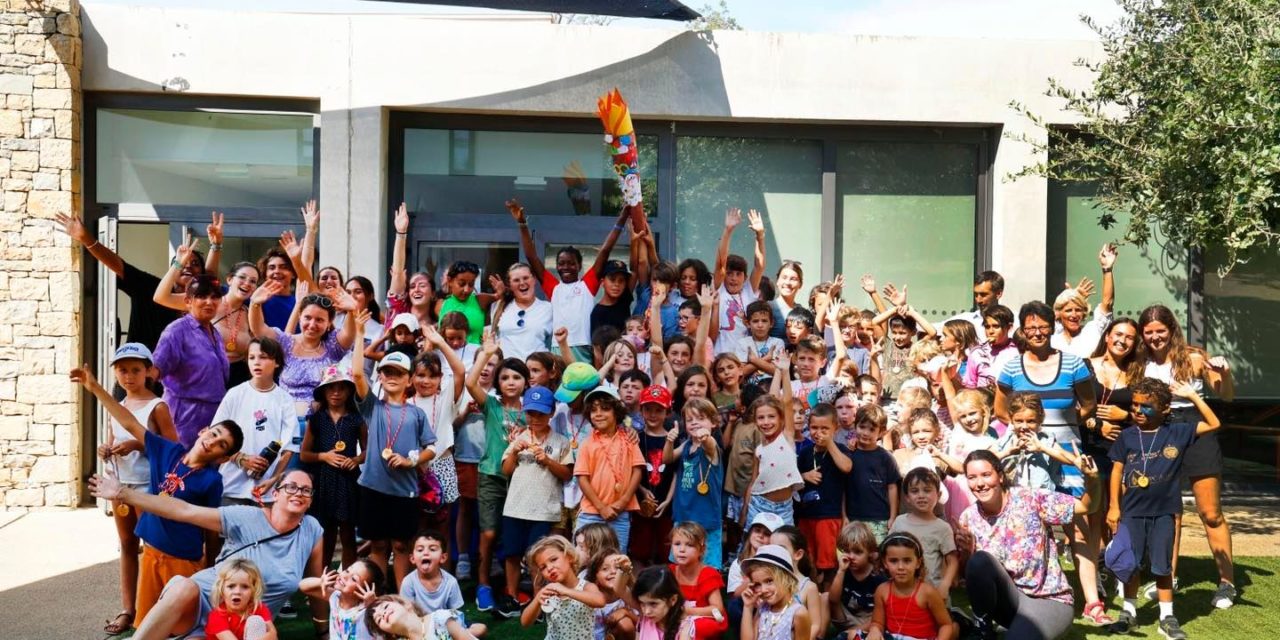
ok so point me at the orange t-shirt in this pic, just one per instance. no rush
(607, 463)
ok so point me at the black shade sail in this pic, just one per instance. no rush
(658, 9)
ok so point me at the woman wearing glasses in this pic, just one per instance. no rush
(281, 539)
(524, 322)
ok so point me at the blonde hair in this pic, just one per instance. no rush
(912, 398)
(1070, 296)
(702, 407)
(691, 530)
(558, 543)
(973, 399)
(1026, 401)
(250, 569)
(857, 535)
(923, 351)
(783, 580)
(596, 537)
(621, 344)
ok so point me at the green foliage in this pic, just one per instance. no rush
(715, 16)
(1181, 126)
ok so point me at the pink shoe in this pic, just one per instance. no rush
(1096, 612)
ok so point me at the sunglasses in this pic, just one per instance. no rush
(520, 318)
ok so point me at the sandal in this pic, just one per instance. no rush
(1096, 612)
(115, 627)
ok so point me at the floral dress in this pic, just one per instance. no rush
(571, 619)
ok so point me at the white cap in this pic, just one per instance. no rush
(132, 351)
(770, 521)
(406, 320)
(396, 359)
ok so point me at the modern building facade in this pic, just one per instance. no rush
(866, 154)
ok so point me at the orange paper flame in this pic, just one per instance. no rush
(615, 114)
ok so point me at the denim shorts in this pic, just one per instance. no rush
(761, 504)
(621, 526)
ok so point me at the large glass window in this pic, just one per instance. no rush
(1242, 320)
(203, 158)
(465, 171)
(907, 214)
(780, 178)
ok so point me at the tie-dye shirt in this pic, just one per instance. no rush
(1020, 539)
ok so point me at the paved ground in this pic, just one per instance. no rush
(58, 575)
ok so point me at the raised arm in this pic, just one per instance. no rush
(922, 323)
(72, 226)
(1211, 422)
(399, 277)
(258, 321)
(297, 258)
(451, 358)
(108, 487)
(1216, 373)
(311, 218)
(122, 415)
(656, 299)
(164, 295)
(709, 300)
(640, 265)
(783, 374)
(609, 242)
(526, 239)
(869, 286)
(214, 233)
(1107, 259)
(732, 218)
(358, 376)
(488, 349)
(756, 222)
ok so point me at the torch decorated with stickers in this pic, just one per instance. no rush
(620, 138)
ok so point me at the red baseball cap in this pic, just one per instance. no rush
(656, 394)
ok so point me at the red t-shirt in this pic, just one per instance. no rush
(699, 593)
(222, 620)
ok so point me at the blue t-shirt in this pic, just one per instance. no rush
(409, 429)
(277, 309)
(689, 505)
(448, 596)
(822, 500)
(866, 492)
(1163, 449)
(201, 487)
(281, 560)
(1058, 396)
(670, 311)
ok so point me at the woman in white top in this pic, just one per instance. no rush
(1074, 335)
(1165, 355)
(524, 323)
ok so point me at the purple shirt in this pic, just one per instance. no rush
(301, 376)
(192, 361)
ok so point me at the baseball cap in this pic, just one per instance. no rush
(1119, 555)
(396, 359)
(614, 266)
(406, 320)
(606, 390)
(771, 554)
(577, 377)
(657, 394)
(131, 351)
(539, 399)
(770, 521)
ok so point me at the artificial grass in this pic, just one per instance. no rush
(1255, 615)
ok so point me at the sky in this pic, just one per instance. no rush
(1033, 19)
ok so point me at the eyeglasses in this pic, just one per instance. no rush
(297, 490)
(1036, 331)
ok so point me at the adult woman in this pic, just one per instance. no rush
(192, 360)
(790, 279)
(418, 294)
(1164, 354)
(328, 279)
(1072, 305)
(524, 323)
(361, 291)
(279, 538)
(232, 316)
(1013, 577)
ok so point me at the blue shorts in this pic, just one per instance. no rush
(621, 526)
(760, 504)
(1152, 535)
(519, 535)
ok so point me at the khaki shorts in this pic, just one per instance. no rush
(491, 491)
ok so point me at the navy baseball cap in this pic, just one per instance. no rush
(539, 399)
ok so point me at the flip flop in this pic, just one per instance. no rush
(115, 627)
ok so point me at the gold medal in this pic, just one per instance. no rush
(166, 493)
(1142, 481)
(573, 444)
(618, 487)
(122, 509)
(703, 488)
(231, 346)
(340, 446)
(387, 453)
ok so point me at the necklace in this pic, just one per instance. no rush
(512, 421)
(617, 461)
(888, 607)
(1141, 479)
(578, 433)
(235, 330)
(173, 482)
(391, 438)
(341, 444)
(769, 621)
(703, 472)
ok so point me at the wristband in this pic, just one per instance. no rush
(215, 246)
(174, 264)
(413, 456)
(618, 228)
(1106, 270)
(402, 233)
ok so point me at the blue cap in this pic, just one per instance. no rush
(132, 351)
(539, 399)
(1119, 556)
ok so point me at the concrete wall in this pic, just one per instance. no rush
(360, 67)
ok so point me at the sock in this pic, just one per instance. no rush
(1166, 610)
(1131, 606)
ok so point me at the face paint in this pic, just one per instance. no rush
(1148, 411)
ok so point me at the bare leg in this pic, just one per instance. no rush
(487, 540)
(347, 533)
(402, 550)
(128, 561)
(513, 575)
(1208, 492)
(174, 613)
(1086, 538)
(379, 551)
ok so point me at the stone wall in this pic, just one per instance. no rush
(40, 300)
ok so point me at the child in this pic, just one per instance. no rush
(756, 348)
(853, 590)
(923, 436)
(1031, 458)
(846, 404)
(126, 455)
(972, 412)
(269, 408)
(566, 598)
(348, 593)
(460, 282)
(238, 611)
(456, 331)
(996, 350)
(907, 606)
(776, 476)
(810, 359)
(401, 336)
(727, 371)
(652, 526)
(592, 540)
(871, 495)
(431, 586)
(806, 591)
(619, 358)
(503, 417)
(631, 388)
(172, 548)
(824, 467)
(1148, 507)
(334, 446)
(573, 293)
(536, 462)
(736, 290)
(697, 496)
(800, 324)
(610, 571)
(438, 395)
(395, 618)
(695, 382)
(921, 488)
(469, 449)
(903, 321)
(848, 322)
(740, 438)
(959, 343)
(614, 306)
(700, 584)
(609, 466)
(770, 600)
(757, 536)
(657, 597)
(910, 398)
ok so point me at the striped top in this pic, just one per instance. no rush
(1057, 395)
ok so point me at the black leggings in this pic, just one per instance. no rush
(993, 594)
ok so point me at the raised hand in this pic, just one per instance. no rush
(497, 284)
(361, 318)
(311, 215)
(432, 336)
(489, 345)
(1107, 255)
(1219, 364)
(561, 335)
(707, 297)
(1183, 390)
(183, 251)
(82, 375)
(1084, 287)
(837, 285)
(896, 297)
(755, 221)
(270, 288)
(327, 581)
(289, 243)
(74, 227)
(402, 218)
(367, 593)
(732, 217)
(659, 296)
(833, 314)
(517, 211)
(343, 300)
(868, 283)
(214, 230)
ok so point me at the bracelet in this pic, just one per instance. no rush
(618, 228)
(174, 264)
(1106, 270)
(215, 246)
(402, 233)
(90, 246)
(523, 224)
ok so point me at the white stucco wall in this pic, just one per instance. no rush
(359, 67)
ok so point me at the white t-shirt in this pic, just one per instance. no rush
(733, 311)
(441, 412)
(1086, 341)
(572, 304)
(468, 356)
(134, 468)
(264, 417)
(524, 331)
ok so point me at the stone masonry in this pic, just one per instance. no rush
(40, 299)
